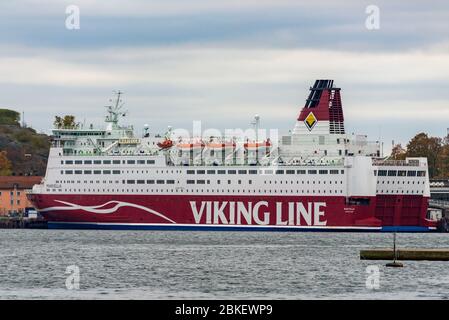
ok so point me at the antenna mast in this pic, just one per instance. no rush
(115, 111)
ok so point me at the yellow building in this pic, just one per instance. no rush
(12, 193)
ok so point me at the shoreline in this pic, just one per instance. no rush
(22, 223)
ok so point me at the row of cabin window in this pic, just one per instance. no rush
(203, 171)
(398, 182)
(108, 162)
(90, 171)
(402, 191)
(190, 182)
(201, 190)
(148, 181)
(218, 182)
(279, 171)
(228, 190)
(399, 173)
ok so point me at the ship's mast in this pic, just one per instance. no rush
(114, 111)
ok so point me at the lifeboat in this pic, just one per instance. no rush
(258, 145)
(190, 146)
(166, 144)
(220, 145)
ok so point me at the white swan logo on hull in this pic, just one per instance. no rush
(99, 209)
(236, 212)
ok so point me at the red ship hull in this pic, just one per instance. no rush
(228, 212)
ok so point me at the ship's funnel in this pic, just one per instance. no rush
(323, 109)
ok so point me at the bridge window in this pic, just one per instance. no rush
(382, 173)
(392, 173)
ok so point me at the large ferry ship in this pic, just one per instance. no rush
(316, 178)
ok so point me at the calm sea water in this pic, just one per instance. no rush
(212, 265)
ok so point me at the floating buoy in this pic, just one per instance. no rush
(394, 264)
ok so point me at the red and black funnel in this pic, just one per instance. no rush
(324, 102)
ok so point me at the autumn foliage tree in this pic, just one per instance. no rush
(443, 160)
(435, 149)
(398, 153)
(66, 122)
(5, 164)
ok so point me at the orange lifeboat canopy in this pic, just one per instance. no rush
(194, 145)
(257, 145)
(218, 145)
(166, 144)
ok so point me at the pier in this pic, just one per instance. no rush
(22, 223)
(406, 254)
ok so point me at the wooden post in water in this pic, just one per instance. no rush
(394, 264)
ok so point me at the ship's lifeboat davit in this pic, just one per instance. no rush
(166, 144)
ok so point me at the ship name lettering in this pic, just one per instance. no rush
(249, 213)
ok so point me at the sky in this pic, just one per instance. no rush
(222, 62)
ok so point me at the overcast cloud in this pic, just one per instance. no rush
(224, 61)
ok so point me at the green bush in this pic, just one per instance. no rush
(10, 117)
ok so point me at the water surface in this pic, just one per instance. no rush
(212, 265)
